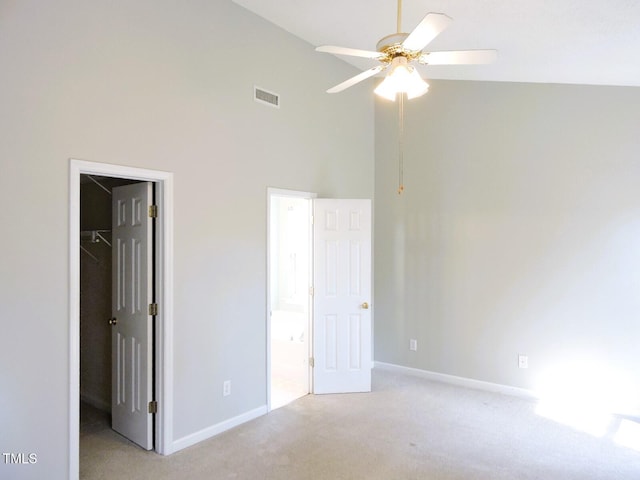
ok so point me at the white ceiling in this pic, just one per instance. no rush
(593, 42)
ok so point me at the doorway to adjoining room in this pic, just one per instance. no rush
(290, 279)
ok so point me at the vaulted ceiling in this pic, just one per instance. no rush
(549, 41)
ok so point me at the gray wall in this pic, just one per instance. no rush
(518, 232)
(161, 85)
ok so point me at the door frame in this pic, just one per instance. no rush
(279, 192)
(163, 340)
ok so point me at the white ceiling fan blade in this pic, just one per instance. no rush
(358, 78)
(428, 29)
(459, 57)
(353, 52)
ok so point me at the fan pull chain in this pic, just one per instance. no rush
(401, 144)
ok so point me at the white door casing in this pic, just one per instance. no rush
(163, 375)
(132, 332)
(342, 296)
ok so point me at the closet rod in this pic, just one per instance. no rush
(99, 184)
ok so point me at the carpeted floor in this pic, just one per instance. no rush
(407, 428)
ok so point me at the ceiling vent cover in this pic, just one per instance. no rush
(261, 95)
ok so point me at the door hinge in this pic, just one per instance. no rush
(153, 309)
(312, 362)
(311, 291)
(153, 211)
(153, 406)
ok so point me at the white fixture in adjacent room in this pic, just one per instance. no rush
(523, 361)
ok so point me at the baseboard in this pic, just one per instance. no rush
(96, 402)
(218, 428)
(459, 381)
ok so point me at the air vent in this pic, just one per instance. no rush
(268, 98)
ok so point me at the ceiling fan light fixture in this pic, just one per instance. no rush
(416, 86)
(403, 78)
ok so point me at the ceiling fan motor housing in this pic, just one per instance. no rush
(391, 46)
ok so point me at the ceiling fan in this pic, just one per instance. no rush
(399, 50)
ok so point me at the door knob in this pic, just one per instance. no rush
(113, 321)
(365, 305)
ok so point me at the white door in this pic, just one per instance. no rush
(342, 296)
(131, 334)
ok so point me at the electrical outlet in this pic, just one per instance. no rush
(523, 361)
(226, 388)
(413, 345)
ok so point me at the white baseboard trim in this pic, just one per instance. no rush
(218, 428)
(459, 381)
(96, 402)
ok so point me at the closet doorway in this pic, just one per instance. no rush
(117, 223)
(101, 196)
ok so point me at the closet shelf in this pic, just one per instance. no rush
(94, 236)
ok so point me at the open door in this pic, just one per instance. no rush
(342, 294)
(132, 328)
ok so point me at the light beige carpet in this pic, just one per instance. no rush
(407, 428)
